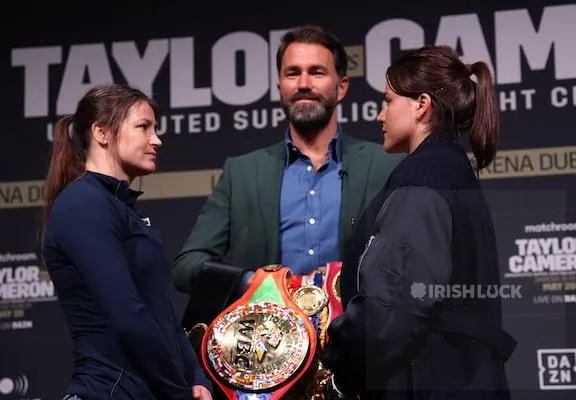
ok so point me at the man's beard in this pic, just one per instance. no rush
(309, 119)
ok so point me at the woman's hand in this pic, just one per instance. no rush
(199, 392)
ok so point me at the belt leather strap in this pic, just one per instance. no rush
(332, 288)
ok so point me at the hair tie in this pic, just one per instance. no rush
(71, 128)
(469, 68)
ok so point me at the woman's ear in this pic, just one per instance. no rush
(423, 106)
(100, 134)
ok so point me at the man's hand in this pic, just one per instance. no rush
(199, 392)
(249, 281)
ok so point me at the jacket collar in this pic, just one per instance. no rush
(118, 188)
(436, 138)
(292, 152)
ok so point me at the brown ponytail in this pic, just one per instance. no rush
(66, 164)
(460, 104)
(107, 105)
(485, 124)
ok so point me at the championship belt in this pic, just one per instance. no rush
(263, 343)
(332, 288)
(317, 294)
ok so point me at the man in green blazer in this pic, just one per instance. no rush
(294, 203)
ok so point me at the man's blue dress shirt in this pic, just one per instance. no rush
(310, 209)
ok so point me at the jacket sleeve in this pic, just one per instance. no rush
(209, 239)
(408, 254)
(90, 233)
(198, 269)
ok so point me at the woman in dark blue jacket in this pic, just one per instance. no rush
(107, 262)
(417, 322)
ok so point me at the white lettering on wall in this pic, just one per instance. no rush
(141, 72)
(224, 64)
(516, 36)
(517, 42)
(36, 62)
(378, 49)
(84, 61)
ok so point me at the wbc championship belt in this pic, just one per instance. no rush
(263, 343)
(267, 344)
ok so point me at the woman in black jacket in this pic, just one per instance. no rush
(423, 255)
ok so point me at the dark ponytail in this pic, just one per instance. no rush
(66, 164)
(485, 124)
(460, 104)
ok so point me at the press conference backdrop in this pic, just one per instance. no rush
(216, 82)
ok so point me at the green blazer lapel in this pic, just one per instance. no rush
(357, 164)
(269, 184)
